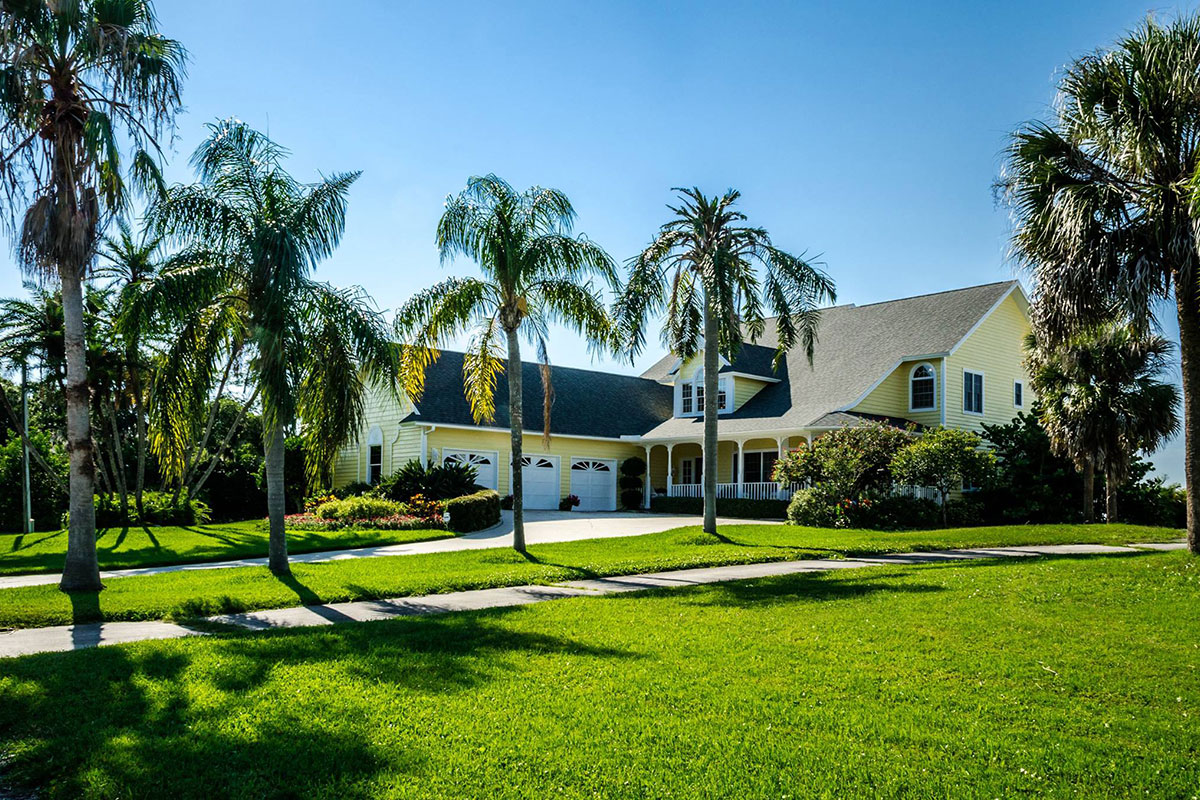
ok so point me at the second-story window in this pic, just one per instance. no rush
(691, 395)
(972, 392)
(685, 402)
(922, 390)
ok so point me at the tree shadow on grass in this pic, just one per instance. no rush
(288, 713)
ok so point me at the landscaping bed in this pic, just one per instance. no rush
(1041, 677)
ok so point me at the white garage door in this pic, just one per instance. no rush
(594, 482)
(484, 463)
(540, 476)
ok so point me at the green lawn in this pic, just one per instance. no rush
(206, 592)
(120, 548)
(1048, 678)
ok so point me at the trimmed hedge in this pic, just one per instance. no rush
(157, 505)
(474, 512)
(726, 507)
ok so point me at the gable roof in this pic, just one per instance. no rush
(586, 402)
(857, 347)
(752, 359)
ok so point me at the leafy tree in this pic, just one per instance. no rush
(1103, 400)
(1032, 482)
(80, 78)
(251, 237)
(534, 272)
(1105, 199)
(944, 458)
(701, 270)
(847, 462)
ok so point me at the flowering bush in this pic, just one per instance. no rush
(394, 522)
(312, 503)
(358, 508)
(421, 506)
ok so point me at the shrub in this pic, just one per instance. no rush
(48, 501)
(812, 508)
(355, 489)
(424, 507)
(159, 510)
(358, 508)
(440, 482)
(1153, 502)
(633, 467)
(568, 502)
(506, 502)
(964, 513)
(632, 498)
(629, 482)
(474, 512)
(898, 513)
(849, 461)
(726, 507)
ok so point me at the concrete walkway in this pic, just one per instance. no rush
(77, 637)
(540, 527)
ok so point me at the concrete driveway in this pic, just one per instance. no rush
(540, 527)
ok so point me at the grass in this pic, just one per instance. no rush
(1048, 677)
(123, 548)
(198, 593)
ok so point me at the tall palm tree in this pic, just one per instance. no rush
(534, 272)
(701, 270)
(130, 260)
(1103, 401)
(81, 77)
(251, 237)
(1106, 199)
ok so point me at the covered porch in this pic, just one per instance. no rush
(675, 468)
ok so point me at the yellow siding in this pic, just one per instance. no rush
(565, 447)
(384, 410)
(890, 398)
(996, 349)
(744, 389)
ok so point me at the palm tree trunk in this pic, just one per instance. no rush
(81, 570)
(516, 421)
(1111, 480)
(1089, 491)
(1188, 313)
(119, 465)
(276, 507)
(139, 413)
(712, 366)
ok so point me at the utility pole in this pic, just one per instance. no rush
(25, 447)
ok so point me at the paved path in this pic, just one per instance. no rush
(541, 527)
(77, 637)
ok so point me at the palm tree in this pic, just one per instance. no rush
(251, 236)
(1103, 401)
(131, 261)
(80, 78)
(1105, 200)
(534, 272)
(701, 270)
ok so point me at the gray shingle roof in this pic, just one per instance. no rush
(857, 346)
(586, 402)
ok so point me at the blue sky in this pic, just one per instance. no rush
(868, 133)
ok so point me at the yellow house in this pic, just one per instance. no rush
(952, 358)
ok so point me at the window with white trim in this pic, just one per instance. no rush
(1018, 394)
(972, 392)
(922, 388)
(759, 465)
(375, 464)
(691, 395)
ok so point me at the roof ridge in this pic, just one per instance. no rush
(935, 294)
(856, 306)
(527, 362)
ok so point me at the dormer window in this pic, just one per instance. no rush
(922, 388)
(691, 395)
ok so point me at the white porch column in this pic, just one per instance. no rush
(647, 489)
(741, 476)
(670, 467)
(781, 441)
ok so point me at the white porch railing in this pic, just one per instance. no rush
(749, 491)
(919, 492)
